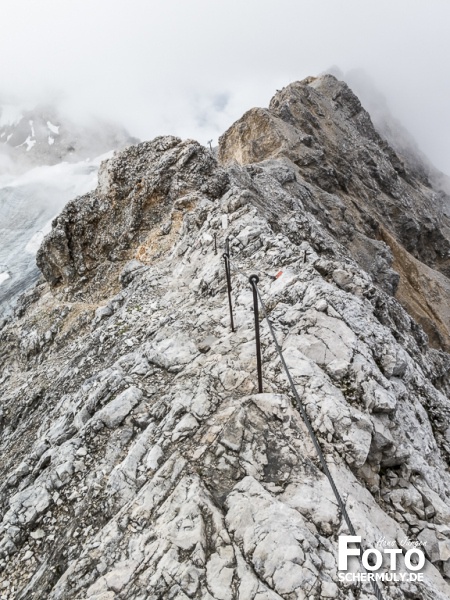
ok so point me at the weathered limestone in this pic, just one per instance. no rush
(138, 459)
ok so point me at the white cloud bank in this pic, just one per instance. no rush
(192, 67)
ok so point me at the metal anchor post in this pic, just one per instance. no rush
(226, 258)
(254, 279)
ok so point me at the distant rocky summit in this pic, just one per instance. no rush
(43, 136)
(140, 462)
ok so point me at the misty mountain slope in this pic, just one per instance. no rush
(45, 160)
(43, 136)
(390, 128)
(28, 203)
(138, 459)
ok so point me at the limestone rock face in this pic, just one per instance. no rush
(360, 189)
(97, 233)
(139, 460)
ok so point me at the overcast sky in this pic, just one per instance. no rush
(192, 67)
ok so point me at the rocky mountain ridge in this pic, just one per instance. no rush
(138, 459)
(393, 130)
(365, 194)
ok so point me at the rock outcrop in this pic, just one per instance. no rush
(45, 160)
(140, 198)
(138, 459)
(360, 190)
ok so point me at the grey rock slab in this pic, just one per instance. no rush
(314, 499)
(26, 505)
(171, 353)
(219, 577)
(115, 411)
(272, 534)
(186, 425)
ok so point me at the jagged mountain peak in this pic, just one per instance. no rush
(363, 190)
(392, 129)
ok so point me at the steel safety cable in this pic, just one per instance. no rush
(306, 420)
(312, 434)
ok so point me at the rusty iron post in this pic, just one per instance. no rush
(226, 258)
(254, 279)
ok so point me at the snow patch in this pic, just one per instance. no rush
(29, 143)
(33, 245)
(4, 276)
(71, 179)
(10, 115)
(51, 140)
(32, 129)
(53, 128)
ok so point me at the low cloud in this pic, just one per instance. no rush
(192, 68)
